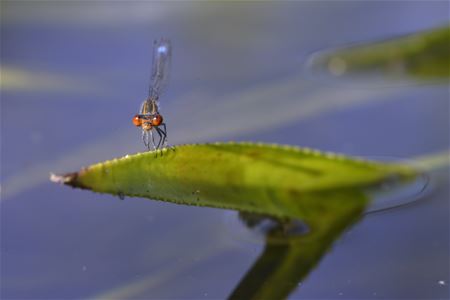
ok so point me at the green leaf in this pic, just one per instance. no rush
(423, 55)
(324, 190)
(280, 181)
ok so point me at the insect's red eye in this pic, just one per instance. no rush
(137, 121)
(157, 120)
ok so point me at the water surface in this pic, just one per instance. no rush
(74, 74)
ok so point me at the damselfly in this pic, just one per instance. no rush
(149, 118)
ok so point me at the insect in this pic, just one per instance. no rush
(149, 118)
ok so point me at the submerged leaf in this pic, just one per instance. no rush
(287, 260)
(275, 180)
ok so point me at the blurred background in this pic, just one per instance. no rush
(74, 73)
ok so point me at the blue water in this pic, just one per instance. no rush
(237, 74)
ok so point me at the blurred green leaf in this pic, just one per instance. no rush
(423, 55)
(279, 181)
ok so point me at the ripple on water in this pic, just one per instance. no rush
(395, 193)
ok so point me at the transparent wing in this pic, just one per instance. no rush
(162, 53)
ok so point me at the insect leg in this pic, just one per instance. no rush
(160, 136)
(153, 140)
(159, 142)
(145, 139)
(164, 131)
(163, 137)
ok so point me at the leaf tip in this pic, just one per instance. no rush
(70, 179)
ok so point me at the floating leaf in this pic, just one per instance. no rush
(280, 181)
(424, 55)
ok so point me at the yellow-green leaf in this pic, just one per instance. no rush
(274, 180)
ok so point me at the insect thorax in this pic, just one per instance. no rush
(149, 107)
